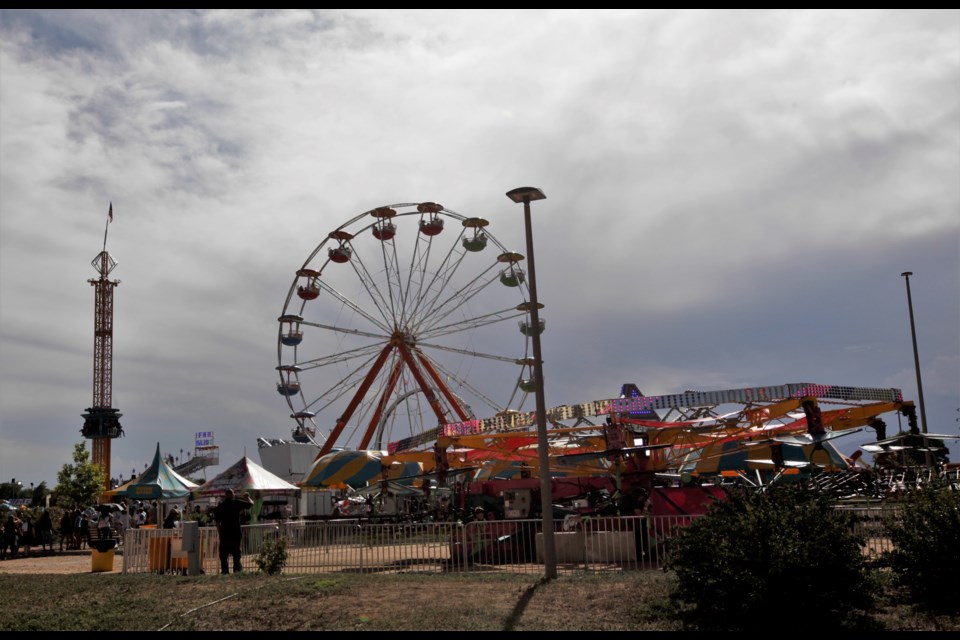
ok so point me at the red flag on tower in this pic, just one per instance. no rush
(110, 214)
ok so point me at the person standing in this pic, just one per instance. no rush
(153, 514)
(45, 531)
(66, 529)
(172, 519)
(83, 530)
(78, 536)
(227, 518)
(26, 534)
(11, 537)
(122, 524)
(105, 525)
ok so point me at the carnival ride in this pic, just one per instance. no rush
(400, 320)
(614, 456)
(772, 434)
(101, 422)
(397, 324)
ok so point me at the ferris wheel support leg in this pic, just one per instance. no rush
(357, 397)
(427, 391)
(443, 387)
(375, 420)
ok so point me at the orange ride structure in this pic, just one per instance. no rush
(635, 443)
(101, 422)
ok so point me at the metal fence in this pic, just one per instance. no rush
(514, 546)
(872, 524)
(151, 550)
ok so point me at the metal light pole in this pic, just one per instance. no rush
(916, 357)
(526, 195)
(928, 457)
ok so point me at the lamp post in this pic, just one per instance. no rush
(526, 195)
(916, 363)
(916, 357)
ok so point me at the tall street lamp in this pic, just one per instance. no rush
(526, 195)
(916, 357)
(928, 457)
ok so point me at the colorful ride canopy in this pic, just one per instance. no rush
(158, 482)
(733, 456)
(353, 469)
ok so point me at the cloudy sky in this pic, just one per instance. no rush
(731, 198)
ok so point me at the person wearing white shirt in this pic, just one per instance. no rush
(123, 523)
(105, 525)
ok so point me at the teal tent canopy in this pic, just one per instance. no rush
(158, 482)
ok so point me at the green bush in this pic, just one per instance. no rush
(272, 556)
(926, 546)
(760, 559)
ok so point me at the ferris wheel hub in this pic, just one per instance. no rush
(401, 337)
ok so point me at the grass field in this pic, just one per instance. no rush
(630, 601)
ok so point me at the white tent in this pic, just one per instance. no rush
(247, 476)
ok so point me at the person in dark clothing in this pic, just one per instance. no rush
(11, 538)
(27, 533)
(66, 530)
(170, 522)
(227, 518)
(45, 531)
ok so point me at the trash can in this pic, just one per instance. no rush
(101, 555)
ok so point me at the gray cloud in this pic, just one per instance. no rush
(732, 196)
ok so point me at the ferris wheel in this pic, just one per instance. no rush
(404, 318)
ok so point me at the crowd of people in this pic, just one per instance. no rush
(19, 530)
(30, 532)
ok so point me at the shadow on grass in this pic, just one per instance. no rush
(521, 605)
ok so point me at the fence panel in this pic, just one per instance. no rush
(871, 523)
(350, 546)
(515, 546)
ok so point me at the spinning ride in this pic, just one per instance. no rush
(404, 318)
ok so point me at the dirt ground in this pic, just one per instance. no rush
(58, 562)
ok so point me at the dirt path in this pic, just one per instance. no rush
(59, 562)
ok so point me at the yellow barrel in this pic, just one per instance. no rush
(101, 560)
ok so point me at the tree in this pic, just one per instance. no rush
(81, 483)
(39, 494)
(757, 555)
(12, 489)
(925, 540)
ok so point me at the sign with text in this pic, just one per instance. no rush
(204, 439)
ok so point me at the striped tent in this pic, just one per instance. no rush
(351, 468)
(158, 482)
(246, 476)
(403, 473)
